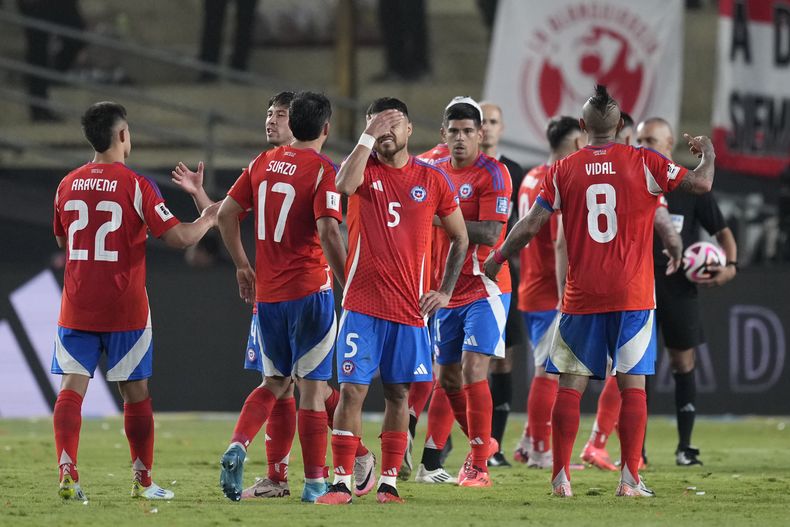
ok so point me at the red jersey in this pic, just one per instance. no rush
(608, 198)
(389, 230)
(484, 190)
(537, 287)
(105, 210)
(288, 189)
(436, 155)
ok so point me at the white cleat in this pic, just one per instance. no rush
(438, 475)
(540, 459)
(151, 492)
(629, 486)
(364, 474)
(266, 488)
(561, 485)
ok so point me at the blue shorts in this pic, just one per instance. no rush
(401, 353)
(478, 326)
(297, 337)
(595, 344)
(129, 353)
(253, 357)
(539, 324)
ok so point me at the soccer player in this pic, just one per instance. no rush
(538, 296)
(103, 211)
(281, 424)
(471, 329)
(607, 192)
(292, 195)
(501, 377)
(385, 306)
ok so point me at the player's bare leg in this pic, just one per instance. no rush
(501, 397)
(564, 427)
(345, 440)
(682, 363)
(254, 413)
(67, 421)
(394, 440)
(632, 421)
(474, 368)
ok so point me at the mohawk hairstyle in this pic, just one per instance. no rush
(602, 101)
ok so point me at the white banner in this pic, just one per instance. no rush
(546, 58)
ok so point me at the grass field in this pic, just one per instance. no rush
(745, 480)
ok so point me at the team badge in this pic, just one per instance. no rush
(465, 190)
(347, 367)
(419, 194)
(251, 354)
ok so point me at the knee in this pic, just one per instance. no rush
(681, 361)
(450, 380)
(352, 394)
(397, 394)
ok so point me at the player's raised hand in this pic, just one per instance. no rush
(491, 268)
(433, 301)
(383, 122)
(189, 181)
(675, 261)
(245, 276)
(699, 145)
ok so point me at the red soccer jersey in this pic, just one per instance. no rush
(608, 198)
(484, 190)
(104, 210)
(389, 229)
(537, 288)
(288, 189)
(436, 155)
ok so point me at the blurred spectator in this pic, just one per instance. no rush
(211, 40)
(404, 29)
(37, 50)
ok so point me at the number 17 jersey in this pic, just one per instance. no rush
(608, 199)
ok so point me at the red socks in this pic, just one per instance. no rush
(393, 447)
(564, 427)
(343, 449)
(458, 402)
(67, 421)
(138, 422)
(312, 437)
(440, 420)
(608, 411)
(633, 417)
(540, 403)
(331, 404)
(479, 410)
(256, 410)
(280, 430)
(418, 397)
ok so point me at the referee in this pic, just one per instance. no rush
(677, 303)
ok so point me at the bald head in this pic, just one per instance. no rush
(656, 133)
(601, 114)
(493, 126)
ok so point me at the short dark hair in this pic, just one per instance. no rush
(283, 98)
(307, 115)
(628, 121)
(462, 111)
(98, 122)
(559, 128)
(387, 103)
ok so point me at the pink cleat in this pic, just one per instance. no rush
(597, 457)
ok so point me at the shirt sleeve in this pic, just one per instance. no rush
(709, 214)
(662, 202)
(241, 191)
(157, 216)
(57, 225)
(326, 200)
(448, 196)
(661, 174)
(549, 196)
(496, 195)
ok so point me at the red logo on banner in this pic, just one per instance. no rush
(583, 45)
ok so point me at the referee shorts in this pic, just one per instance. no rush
(677, 310)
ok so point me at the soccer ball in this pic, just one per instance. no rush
(698, 256)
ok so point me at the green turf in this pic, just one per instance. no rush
(745, 480)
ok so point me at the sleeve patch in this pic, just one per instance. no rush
(502, 205)
(163, 212)
(672, 171)
(333, 201)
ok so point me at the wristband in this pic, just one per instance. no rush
(499, 257)
(733, 263)
(367, 140)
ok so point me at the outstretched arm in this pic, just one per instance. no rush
(192, 183)
(484, 232)
(700, 180)
(670, 239)
(185, 235)
(455, 228)
(523, 231)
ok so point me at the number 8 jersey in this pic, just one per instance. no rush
(104, 211)
(608, 199)
(288, 189)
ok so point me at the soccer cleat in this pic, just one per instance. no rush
(498, 460)
(313, 491)
(493, 445)
(521, 454)
(638, 490)
(151, 492)
(388, 494)
(230, 478)
(438, 475)
(70, 489)
(335, 495)
(597, 457)
(364, 477)
(540, 459)
(687, 456)
(474, 477)
(266, 488)
(408, 463)
(561, 485)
